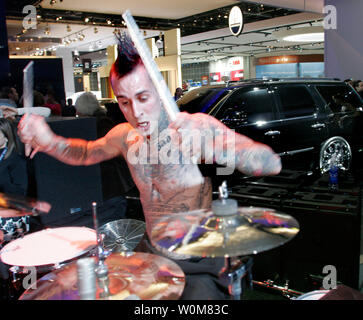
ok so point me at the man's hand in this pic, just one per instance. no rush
(35, 134)
(212, 141)
(196, 132)
(9, 112)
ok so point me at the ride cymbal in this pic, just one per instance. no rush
(201, 233)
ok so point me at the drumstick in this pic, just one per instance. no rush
(150, 65)
(28, 83)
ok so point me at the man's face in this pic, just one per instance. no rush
(138, 100)
(14, 95)
(360, 87)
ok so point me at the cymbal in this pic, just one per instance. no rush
(203, 234)
(122, 235)
(147, 276)
(12, 206)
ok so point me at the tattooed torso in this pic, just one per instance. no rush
(169, 188)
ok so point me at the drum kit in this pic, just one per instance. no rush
(228, 231)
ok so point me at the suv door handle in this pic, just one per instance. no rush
(272, 133)
(318, 125)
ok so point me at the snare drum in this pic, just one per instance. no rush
(313, 295)
(49, 249)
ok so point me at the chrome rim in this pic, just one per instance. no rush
(338, 146)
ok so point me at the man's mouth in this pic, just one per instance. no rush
(144, 126)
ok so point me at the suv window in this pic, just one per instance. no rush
(296, 101)
(340, 98)
(201, 100)
(251, 106)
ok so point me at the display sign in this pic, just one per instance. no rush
(215, 77)
(237, 75)
(235, 21)
(87, 65)
(204, 80)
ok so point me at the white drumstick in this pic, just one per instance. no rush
(28, 83)
(150, 65)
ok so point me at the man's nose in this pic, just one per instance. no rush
(137, 109)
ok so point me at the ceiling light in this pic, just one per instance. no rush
(302, 34)
(52, 2)
(306, 37)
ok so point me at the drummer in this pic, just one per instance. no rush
(165, 187)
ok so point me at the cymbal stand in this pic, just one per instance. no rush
(234, 269)
(233, 272)
(101, 268)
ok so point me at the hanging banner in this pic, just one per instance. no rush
(235, 21)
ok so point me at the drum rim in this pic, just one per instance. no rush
(307, 294)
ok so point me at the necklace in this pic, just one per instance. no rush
(2, 155)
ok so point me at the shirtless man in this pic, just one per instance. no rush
(164, 188)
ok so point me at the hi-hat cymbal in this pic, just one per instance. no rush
(147, 276)
(201, 233)
(12, 206)
(122, 235)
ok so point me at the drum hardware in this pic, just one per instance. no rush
(233, 273)
(101, 268)
(225, 231)
(284, 290)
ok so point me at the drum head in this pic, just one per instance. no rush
(49, 246)
(122, 235)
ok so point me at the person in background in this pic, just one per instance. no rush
(13, 178)
(9, 96)
(69, 109)
(178, 93)
(349, 81)
(38, 102)
(52, 104)
(358, 86)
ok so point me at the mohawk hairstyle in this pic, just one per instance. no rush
(128, 58)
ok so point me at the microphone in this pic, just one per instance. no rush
(86, 279)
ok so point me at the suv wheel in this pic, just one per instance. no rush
(341, 148)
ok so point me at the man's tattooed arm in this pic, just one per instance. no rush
(225, 147)
(36, 134)
(242, 153)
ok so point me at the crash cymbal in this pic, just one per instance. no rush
(146, 276)
(203, 234)
(122, 235)
(12, 206)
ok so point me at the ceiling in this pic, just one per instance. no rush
(203, 25)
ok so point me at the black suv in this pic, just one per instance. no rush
(315, 117)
